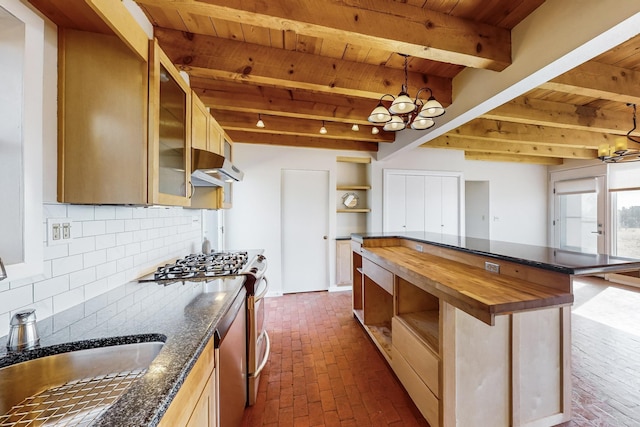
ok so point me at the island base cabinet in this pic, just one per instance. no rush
(418, 368)
(514, 373)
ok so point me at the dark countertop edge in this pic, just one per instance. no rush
(112, 415)
(594, 269)
(150, 412)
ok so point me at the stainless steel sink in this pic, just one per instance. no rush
(73, 387)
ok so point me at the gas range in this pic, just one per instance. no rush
(203, 267)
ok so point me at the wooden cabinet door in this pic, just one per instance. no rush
(343, 263)
(204, 414)
(169, 132)
(199, 123)
(216, 136)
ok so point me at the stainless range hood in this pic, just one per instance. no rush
(212, 170)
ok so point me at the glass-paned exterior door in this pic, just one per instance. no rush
(579, 219)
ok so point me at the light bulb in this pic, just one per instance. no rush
(355, 127)
(374, 130)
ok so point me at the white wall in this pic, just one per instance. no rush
(518, 196)
(518, 192)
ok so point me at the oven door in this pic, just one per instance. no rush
(259, 344)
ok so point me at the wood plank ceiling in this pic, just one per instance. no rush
(301, 63)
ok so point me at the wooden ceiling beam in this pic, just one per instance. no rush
(337, 108)
(600, 81)
(493, 157)
(391, 26)
(542, 135)
(240, 137)
(533, 111)
(511, 148)
(231, 60)
(231, 120)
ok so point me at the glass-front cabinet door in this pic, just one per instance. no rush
(169, 133)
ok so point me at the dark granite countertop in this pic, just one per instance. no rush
(547, 258)
(184, 316)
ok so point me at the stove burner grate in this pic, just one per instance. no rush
(202, 266)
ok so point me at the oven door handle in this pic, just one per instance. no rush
(266, 288)
(267, 350)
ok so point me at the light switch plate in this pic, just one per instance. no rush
(59, 231)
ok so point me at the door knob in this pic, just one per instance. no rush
(325, 237)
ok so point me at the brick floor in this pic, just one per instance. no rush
(324, 371)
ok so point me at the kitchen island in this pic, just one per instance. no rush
(478, 332)
(182, 315)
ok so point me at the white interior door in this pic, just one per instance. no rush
(305, 230)
(395, 201)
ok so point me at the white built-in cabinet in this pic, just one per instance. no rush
(429, 201)
(21, 124)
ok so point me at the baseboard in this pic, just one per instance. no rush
(340, 288)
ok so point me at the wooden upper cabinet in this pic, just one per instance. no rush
(216, 136)
(199, 123)
(169, 132)
(102, 120)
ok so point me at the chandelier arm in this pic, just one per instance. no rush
(629, 136)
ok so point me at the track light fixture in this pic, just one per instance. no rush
(404, 111)
(323, 130)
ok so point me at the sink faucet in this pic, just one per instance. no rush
(3, 272)
(23, 334)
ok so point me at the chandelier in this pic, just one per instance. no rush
(404, 111)
(620, 151)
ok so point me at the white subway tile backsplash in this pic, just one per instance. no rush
(50, 287)
(81, 212)
(125, 212)
(55, 251)
(105, 212)
(82, 244)
(132, 249)
(139, 213)
(124, 238)
(68, 299)
(4, 324)
(115, 253)
(124, 264)
(115, 226)
(111, 245)
(54, 210)
(105, 241)
(82, 277)
(106, 269)
(16, 298)
(66, 265)
(132, 225)
(93, 228)
(96, 288)
(95, 258)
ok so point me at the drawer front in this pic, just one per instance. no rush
(382, 277)
(427, 403)
(420, 357)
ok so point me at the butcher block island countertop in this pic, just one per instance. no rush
(478, 332)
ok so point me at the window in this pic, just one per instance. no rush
(626, 230)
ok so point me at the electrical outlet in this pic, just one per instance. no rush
(492, 267)
(66, 230)
(59, 231)
(419, 248)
